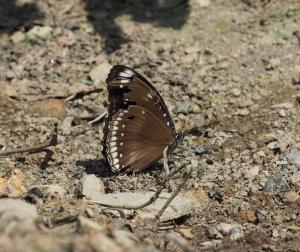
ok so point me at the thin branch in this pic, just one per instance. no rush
(175, 193)
(148, 202)
(98, 118)
(50, 142)
(166, 167)
(82, 93)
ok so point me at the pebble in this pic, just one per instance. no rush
(18, 37)
(48, 108)
(202, 3)
(99, 73)
(236, 233)
(252, 172)
(275, 233)
(295, 178)
(92, 187)
(182, 107)
(273, 145)
(39, 33)
(273, 182)
(248, 216)
(213, 233)
(89, 212)
(294, 156)
(180, 205)
(212, 243)
(17, 209)
(290, 197)
(54, 191)
(236, 92)
(200, 120)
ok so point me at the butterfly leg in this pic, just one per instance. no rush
(166, 168)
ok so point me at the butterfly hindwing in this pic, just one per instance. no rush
(138, 126)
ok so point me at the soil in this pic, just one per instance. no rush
(229, 72)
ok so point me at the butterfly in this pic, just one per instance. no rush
(138, 126)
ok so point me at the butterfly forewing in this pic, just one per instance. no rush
(138, 126)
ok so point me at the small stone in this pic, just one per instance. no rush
(198, 196)
(273, 145)
(282, 113)
(99, 74)
(125, 238)
(86, 225)
(89, 212)
(252, 172)
(213, 233)
(212, 243)
(54, 191)
(39, 33)
(17, 209)
(236, 92)
(224, 228)
(48, 108)
(18, 37)
(294, 156)
(252, 145)
(92, 187)
(200, 120)
(242, 112)
(290, 197)
(202, 3)
(275, 233)
(236, 233)
(186, 233)
(182, 107)
(273, 182)
(295, 178)
(248, 216)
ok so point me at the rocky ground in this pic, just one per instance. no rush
(229, 72)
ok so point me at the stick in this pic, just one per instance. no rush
(148, 202)
(166, 167)
(83, 93)
(161, 211)
(51, 142)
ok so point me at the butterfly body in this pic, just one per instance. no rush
(138, 126)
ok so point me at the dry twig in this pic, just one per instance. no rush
(50, 142)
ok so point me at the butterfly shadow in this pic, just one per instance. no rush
(103, 15)
(97, 167)
(14, 15)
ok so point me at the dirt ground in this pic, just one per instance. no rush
(229, 72)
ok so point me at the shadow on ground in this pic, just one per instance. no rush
(13, 15)
(103, 13)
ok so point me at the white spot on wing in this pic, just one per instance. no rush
(122, 134)
(113, 149)
(114, 155)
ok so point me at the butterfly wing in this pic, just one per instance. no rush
(138, 126)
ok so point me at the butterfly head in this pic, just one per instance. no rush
(179, 137)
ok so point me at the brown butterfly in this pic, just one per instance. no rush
(138, 126)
